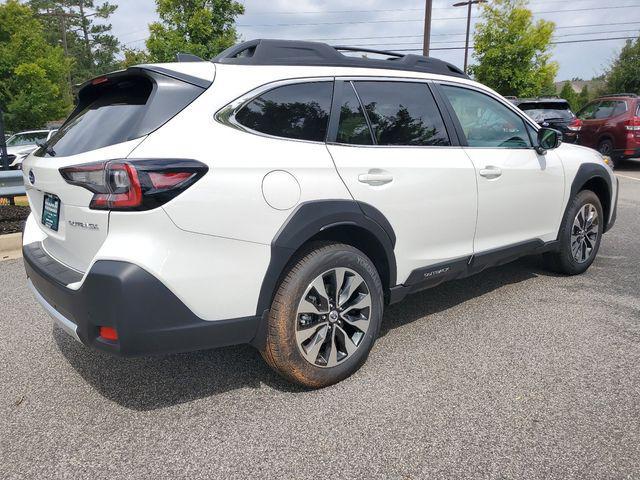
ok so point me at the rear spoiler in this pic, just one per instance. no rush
(175, 88)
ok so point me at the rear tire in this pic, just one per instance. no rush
(580, 235)
(317, 334)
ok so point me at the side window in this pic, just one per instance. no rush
(605, 109)
(588, 112)
(402, 113)
(485, 121)
(621, 107)
(353, 127)
(299, 111)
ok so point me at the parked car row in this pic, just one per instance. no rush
(609, 124)
(22, 144)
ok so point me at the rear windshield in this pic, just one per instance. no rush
(31, 138)
(540, 112)
(118, 111)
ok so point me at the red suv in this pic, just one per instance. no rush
(611, 125)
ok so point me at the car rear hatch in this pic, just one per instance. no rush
(114, 114)
(554, 114)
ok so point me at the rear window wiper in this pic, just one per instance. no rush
(47, 149)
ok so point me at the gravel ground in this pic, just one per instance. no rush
(514, 373)
(12, 218)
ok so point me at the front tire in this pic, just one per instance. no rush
(325, 316)
(580, 235)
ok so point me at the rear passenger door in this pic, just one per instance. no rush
(520, 192)
(390, 145)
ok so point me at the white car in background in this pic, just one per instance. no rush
(22, 144)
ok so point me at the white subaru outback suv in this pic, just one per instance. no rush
(282, 194)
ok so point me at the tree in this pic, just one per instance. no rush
(624, 76)
(72, 24)
(584, 97)
(33, 74)
(512, 53)
(199, 27)
(569, 94)
(133, 56)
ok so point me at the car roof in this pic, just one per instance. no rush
(302, 53)
(521, 101)
(32, 131)
(618, 96)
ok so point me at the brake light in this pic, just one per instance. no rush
(575, 125)
(135, 184)
(633, 124)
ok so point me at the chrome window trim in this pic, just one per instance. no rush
(227, 114)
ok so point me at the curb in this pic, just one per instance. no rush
(10, 246)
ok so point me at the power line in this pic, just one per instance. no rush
(322, 12)
(553, 43)
(416, 20)
(454, 41)
(380, 37)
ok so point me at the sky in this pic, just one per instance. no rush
(398, 24)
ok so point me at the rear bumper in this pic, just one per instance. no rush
(148, 317)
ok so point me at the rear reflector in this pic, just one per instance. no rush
(108, 333)
(134, 184)
(633, 124)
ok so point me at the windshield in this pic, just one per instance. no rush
(32, 138)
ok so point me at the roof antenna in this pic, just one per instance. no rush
(188, 57)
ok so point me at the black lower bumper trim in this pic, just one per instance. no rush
(148, 317)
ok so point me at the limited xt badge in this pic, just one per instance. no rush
(88, 226)
(433, 273)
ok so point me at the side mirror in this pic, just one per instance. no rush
(548, 139)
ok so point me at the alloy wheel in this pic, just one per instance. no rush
(333, 317)
(584, 233)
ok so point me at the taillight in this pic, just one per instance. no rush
(575, 125)
(134, 184)
(633, 124)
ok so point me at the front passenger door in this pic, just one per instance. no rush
(520, 192)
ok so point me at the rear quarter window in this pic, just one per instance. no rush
(298, 111)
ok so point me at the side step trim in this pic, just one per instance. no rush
(433, 275)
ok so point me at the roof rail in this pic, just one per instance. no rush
(188, 57)
(293, 52)
(632, 95)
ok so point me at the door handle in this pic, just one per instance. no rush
(490, 172)
(375, 178)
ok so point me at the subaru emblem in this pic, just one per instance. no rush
(32, 177)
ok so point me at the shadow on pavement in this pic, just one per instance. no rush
(150, 383)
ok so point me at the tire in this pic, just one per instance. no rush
(295, 326)
(569, 260)
(605, 147)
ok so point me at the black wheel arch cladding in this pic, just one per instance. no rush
(311, 219)
(593, 176)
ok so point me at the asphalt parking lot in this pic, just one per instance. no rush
(514, 373)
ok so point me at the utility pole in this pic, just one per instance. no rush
(4, 159)
(468, 4)
(427, 27)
